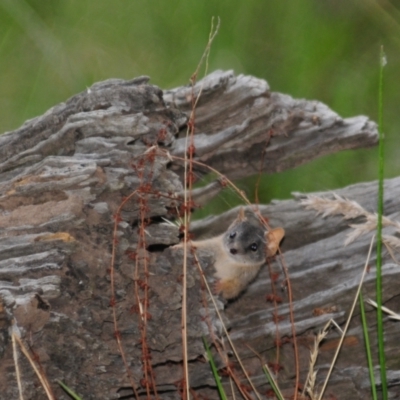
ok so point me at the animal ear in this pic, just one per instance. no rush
(241, 216)
(274, 237)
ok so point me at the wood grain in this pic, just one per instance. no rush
(63, 176)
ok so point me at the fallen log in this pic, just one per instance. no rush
(87, 190)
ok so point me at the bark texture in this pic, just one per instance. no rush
(63, 177)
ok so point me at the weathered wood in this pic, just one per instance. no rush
(238, 115)
(62, 178)
(324, 274)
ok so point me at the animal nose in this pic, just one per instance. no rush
(233, 251)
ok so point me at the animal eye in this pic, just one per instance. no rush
(232, 235)
(253, 247)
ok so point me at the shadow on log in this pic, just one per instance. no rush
(62, 178)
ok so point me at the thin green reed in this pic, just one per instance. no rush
(382, 362)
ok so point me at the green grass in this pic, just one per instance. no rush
(70, 392)
(379, 291)
(381, 348)
(310, 49)
(272, 382)
(214, 370)
(368, 347)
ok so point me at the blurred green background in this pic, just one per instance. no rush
(315, 49)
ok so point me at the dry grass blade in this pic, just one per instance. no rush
(348, 320)
(359, 230)
(188, 173)
(42, 378)
(350, 209)
(16, 363)
(226, 333)
(392, 314)
(337, 206)
(391, 241)
(309, 386)
(369, 226)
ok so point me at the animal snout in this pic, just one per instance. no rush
(233, 251)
